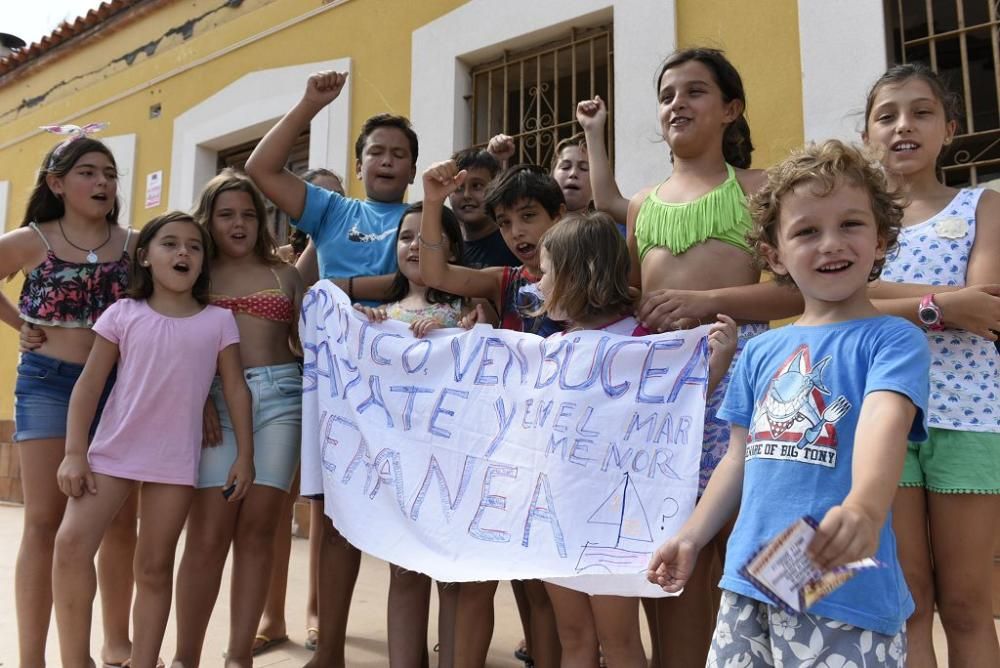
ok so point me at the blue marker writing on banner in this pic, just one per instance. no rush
(411, 391)
(375, 399)
(594, 365)
(649, 371)
(448, 504)
(439, 409)
(376, 356)
(408, 355)
(504, 419)
(665, 432)
(462, 368)
(489, 500)
(689, 375)
(546, 513)
(388, 471)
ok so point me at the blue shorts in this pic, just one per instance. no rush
(41, 397)
(276, 394)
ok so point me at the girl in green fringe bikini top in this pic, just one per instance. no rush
(719, 214)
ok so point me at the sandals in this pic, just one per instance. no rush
(127, 663)
(521, 654)
(266, 643)
(312, 638)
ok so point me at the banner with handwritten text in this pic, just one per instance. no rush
(495, 455)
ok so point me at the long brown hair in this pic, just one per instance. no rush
(736, 144)
(228, 180)
(43, 204)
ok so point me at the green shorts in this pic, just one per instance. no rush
(954, 462)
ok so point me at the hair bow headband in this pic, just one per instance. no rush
(75, 132)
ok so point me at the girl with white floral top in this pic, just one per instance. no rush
(945, 278)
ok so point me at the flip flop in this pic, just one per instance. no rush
(312, 638)
(266, 643)
(127, 663)
(521, 653)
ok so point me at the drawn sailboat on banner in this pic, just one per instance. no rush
(633, 545)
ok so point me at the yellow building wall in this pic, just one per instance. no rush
(761, 39)
(375, 34)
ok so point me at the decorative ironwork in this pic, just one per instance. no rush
(532, 94)
(959, 39)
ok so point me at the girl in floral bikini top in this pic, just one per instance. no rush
(75, 260)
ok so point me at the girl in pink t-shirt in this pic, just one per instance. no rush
(584, 284)
(167, 344)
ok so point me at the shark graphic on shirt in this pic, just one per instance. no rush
(357, 236)
(793, 421)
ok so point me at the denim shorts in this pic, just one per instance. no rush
(41, 397)
(276, 393)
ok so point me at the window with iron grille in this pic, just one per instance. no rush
(532, 94)
(959, 39)
(236, 157)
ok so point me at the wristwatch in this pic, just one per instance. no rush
(929, 314)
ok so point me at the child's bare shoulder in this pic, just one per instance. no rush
(989, 205)
(751, 180)
(637, 199)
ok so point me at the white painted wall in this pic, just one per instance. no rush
(245, 110)
(4, 194)
(443, 50)
(843, 50)
(123, 148)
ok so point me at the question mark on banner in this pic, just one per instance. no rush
(668, 509)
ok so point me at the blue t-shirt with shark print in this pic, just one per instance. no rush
(353, 237)
(798, 390)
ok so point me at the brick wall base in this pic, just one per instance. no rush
(10, 465)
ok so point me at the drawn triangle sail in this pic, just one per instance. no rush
(634, 525)
(610, 510)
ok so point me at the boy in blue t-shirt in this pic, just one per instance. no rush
(820, 413)
(354, 239)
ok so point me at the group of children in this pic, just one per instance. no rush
(170, 360)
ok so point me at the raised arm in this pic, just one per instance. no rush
(266, 165)
(850, 531)
(501, 147)
(308, 265)
(440, 180)
(635, 264)
(592, 115)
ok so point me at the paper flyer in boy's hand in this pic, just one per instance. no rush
(783, 570)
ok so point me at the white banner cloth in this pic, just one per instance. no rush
(496, 455)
